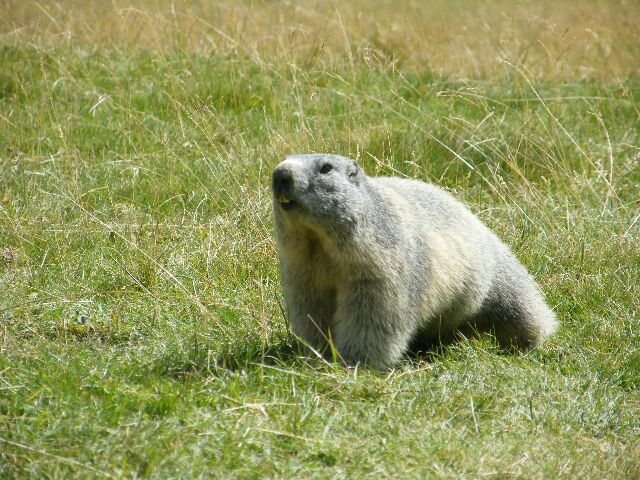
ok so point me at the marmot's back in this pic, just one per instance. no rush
(438, 208)
(378, 263)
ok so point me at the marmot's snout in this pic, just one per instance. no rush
(282, 184)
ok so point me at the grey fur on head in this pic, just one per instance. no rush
(379, 264)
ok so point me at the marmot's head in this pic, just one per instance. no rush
(319, 190)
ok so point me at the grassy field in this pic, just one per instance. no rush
(142, 332)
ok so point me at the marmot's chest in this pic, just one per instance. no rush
(323, 268)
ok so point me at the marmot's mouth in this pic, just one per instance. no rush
(285, 202)
(282, 198)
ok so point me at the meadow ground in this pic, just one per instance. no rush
(142, 332)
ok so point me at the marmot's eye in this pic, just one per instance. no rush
(326, 168)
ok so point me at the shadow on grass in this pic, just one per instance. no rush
(206, 359)
(284, 350)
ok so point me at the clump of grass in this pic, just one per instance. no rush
(142, 331)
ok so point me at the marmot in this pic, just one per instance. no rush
(375, 264)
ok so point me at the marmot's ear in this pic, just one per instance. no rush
(353, 170)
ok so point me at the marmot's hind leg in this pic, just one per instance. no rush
(516, 314)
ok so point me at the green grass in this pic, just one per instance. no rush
(141, 323)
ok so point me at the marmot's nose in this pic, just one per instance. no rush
(282, 180)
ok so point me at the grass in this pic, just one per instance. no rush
(141, 323)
